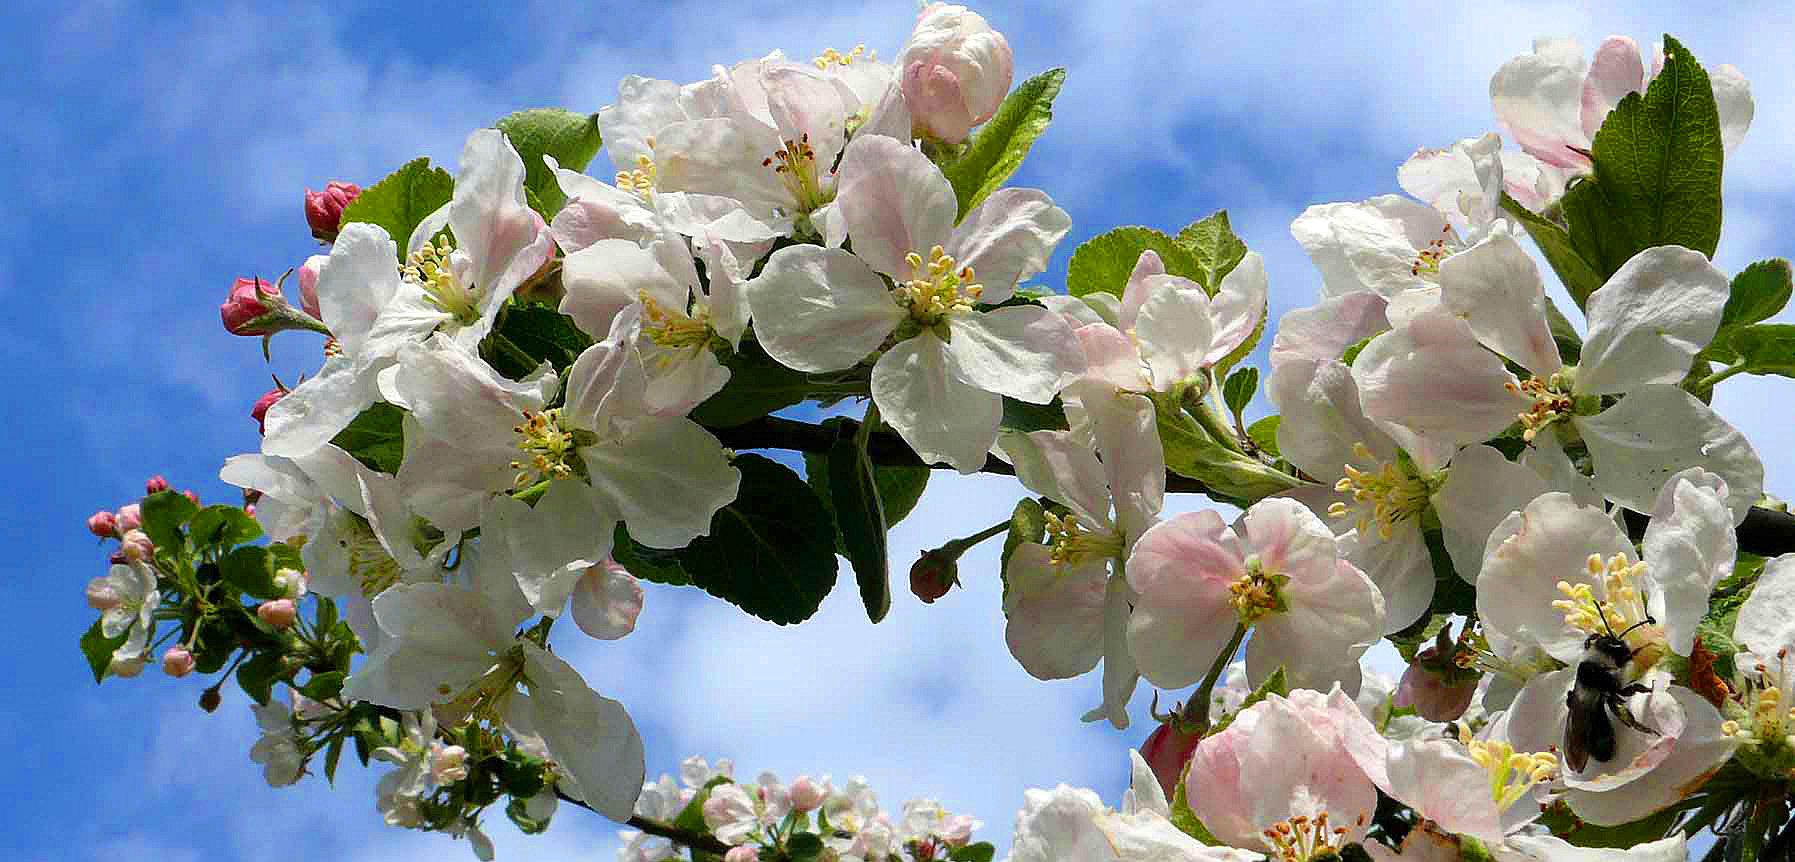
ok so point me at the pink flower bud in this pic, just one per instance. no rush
(934, 573)
(806, 795)
(191, 496)
(259, 412)
(1166, 751)
(324, 210)
(156, 484)
(127, 666)
(101, 596)
(130, 516)
(279, 613)
(243, 309)
(448, 763)
(957, 830)
(103, 524)
(955, 71)
(136, 546)
(308, 284)
(1430, 693)
(177, 662)
(741, 853)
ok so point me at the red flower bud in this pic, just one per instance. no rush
(177, 662)
(324, 210)
(1166, 751)
(242, 310)
(933, 574)
(260, 411)
(156, 484)
(103, 524)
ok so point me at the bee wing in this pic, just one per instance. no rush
(1587, 730)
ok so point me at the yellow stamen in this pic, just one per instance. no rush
(549, 448)
(430, 268)
(1384, 496)
(639, 182)
(939, 285)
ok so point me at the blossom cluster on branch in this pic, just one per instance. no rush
(537, 388)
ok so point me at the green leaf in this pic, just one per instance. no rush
(376, 438)
(257, 676)
(1028, 523)
(1565, 825)
(251, 570)
(1766, 348)
(1757, 293)
(331, 755)
(1570, 344)
(649, 564)
(1238, 390)
(1276, 684)
(772, 551)
(1192, 453)
(1025, 417)
(1186, 819)
(403, 200)
(538, 332)
(758, 385)
(860, 518)
(1579, 278)
(1657, 171)
(1451, 594)
(99, 648)
(982, 851)
(804, 847)
(324, 685)
(1104, 262)
(1352, 350)
(1264, 434)
(223, 525)
(164, 514)
(571, 139)
(1211, 241)
(998, 148)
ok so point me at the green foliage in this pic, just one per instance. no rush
(772, 551)
(1565, 825)
(1238, 390)
(376, 438)
(223, 525)
(859, 517)
(1576, 274)
(98, 649)
(1408, 642)
(403, 200)
(981, 851)
(1212, 243)
(1028, 523)
(258, 675)
(1104, 262)
(530, 334)
(250, 569)
(1232, 476)
(1765, 348)
(1185, 818)
(1451, 594)
(1276, 683)
(1264, 434)
(164, 514)
(1657, 162)
(804, 847)
(997, 150)
(758, 385)
(571, 139)
(1757, 292)
(649, 564)
(1025, 417)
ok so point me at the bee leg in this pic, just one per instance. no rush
(1625, 714)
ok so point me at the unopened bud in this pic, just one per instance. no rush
(127, 666)
(308, 284)
(191, 496)
(103, 524)
(806, 795)
(741, 853)
(1166, 751)
(954, 71)
(291, 582)
(130, 517)
(177, 662)
(324, 210)
(1431, 694)
(209, 699)
(245, 310)
(957, 830)
(259, 412)
(155, 484)
(448, 763)
(136, 546)
(279, 613)
(101, 596)
(934, 573)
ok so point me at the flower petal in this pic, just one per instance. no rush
(1649, 320)
(941, 415)
(895, 202)
(1025, 352)
(1007, 238)
(1496, 288)
(820, 309)
(1659, 430)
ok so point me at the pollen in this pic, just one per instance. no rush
(549, 449)
(1427, 260)
(1764, 719)
(432, 269)
(1384, 496)
(1552, 402)
(1256, 594)
(672, 329)
(1511, 774)
(639, 182)
(940, 285)
(369, 564)
(1621, 610)
(1070, 542)
(832, 57)
(795, 164)
(1302, 838)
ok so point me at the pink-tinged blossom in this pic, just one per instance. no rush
(250, 301)
(130, 516)
(1482, 787)
(1278, 571)
(1073, 823)
(1552, 102)
(1298, 772)
(279, 613)
(1764, 723)
(955, 71)
(155, 484)
(308, 284)
(1465, 182)
(940, 385)
(259, 410)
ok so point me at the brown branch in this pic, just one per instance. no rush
(699, 840)
(1765, 532)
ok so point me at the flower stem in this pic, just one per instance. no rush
(1709, 381)
(1196, 712)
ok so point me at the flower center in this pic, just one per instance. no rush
(369, 563)
(796, 165)
(1387, 495)
(1767, 707)
(1071, 542)
(432, 269)
(1301, 838)
(1511, 773)
(1621, 611)
(639, 182)
(671, 329)
(1552, 401)
(832, 57)
(1427, 260)
(1257, 594)
(550, 448)
(940, 285)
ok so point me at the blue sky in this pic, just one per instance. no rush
(156, 153)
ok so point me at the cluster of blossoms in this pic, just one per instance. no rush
(532, 391)
(807, 818)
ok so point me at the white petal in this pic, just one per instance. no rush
(1482, 489)
(1054, 465)
(1433, 377)
(553, 544)
(1616, 71)
(667, 477)
(1538, 99)
(492, 221)
(610, 275)
(1370, 245)
(1732, 95)
(1174, 330)
(317, 409)
(1120, 675)
(1054, 614)
(941, 416)
(895, 202)
(1528, 554)
(606, 601)
(1496, 288)
(1238, 307)
(1323, 421)
(1650, 319)
(591, 737)
(1400, 566)
(820, 309)
(1008, 238)
(1689, 546)
(1324, 331)
(1765, 625)
(1659, 430)
(1023, 351)
(357, 280)
(441, 635)
(1700, 750)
